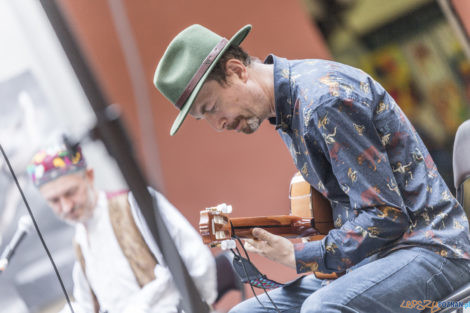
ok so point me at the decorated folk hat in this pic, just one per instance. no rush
(187, 62)
(55, 162)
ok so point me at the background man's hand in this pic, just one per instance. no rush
(273, 247)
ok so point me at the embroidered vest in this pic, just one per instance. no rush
(133, 246)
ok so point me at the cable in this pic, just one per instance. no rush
(246, 273)
(37, 230)
(246, 253)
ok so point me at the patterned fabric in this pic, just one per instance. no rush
(265, 283)
(53, 163)
(352, 143)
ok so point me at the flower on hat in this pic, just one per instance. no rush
(58, 162)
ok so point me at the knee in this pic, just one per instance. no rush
(322, 302)
(312, 307)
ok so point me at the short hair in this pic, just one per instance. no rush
(219, 73)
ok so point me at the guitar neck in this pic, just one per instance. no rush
(282, 225)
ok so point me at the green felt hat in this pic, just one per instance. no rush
(187, 62)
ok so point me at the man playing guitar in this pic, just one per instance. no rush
(399, 234)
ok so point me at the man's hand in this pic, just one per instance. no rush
(273, 247)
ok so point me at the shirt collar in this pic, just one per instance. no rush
(282, 93)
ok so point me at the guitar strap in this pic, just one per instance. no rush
(133, 246)
(248, 273)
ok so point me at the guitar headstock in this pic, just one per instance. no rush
(214, 225)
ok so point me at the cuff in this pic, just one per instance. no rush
(309, 256)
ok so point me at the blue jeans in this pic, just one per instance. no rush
(374, 285)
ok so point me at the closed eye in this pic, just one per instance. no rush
(204, 111)
(214, 108)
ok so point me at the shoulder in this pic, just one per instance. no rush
(316, 82)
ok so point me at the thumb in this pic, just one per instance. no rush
(262, 234)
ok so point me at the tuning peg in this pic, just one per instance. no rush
(224, 208)
(213, 210)
(219, 235)
(228, 244)
(221, 207)
(219, 220)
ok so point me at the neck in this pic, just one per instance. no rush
(264, 74)
(93, 203)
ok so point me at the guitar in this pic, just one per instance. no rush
(310, 218)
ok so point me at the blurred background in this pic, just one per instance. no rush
(417, 49)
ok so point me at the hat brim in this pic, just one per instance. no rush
(235, 40)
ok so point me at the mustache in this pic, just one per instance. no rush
(235, 123)
(67, 215)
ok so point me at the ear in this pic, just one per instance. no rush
(90, 175)
(236, 67)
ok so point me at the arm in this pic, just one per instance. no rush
(158, 296)
(362, 167)
(197, 257)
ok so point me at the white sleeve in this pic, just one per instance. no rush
(81, 292)
(158, 296)
(196, 256)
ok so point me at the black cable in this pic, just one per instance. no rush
(249, 281)
(243, 264)
(115, 139)
(37, 230)
(246, 253)
(246, 273)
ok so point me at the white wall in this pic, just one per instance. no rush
(28, 43)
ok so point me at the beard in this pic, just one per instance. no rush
(69, 217)
(83, 211)
(252, 124)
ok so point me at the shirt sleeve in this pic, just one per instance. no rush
(195, 255)
(158, 296)
(345, 131)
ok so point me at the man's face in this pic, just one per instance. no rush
(72, 197)
(237, 105)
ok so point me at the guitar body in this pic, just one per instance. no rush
(310, 219)
(304, 198)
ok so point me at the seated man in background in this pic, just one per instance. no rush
(119, 267)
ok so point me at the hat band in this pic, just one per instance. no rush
(201, 70)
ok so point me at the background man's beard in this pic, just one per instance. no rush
(67, 217)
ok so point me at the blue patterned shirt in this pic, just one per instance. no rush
(352, 143)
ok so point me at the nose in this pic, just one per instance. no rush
(219, 123)
(66, 204)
